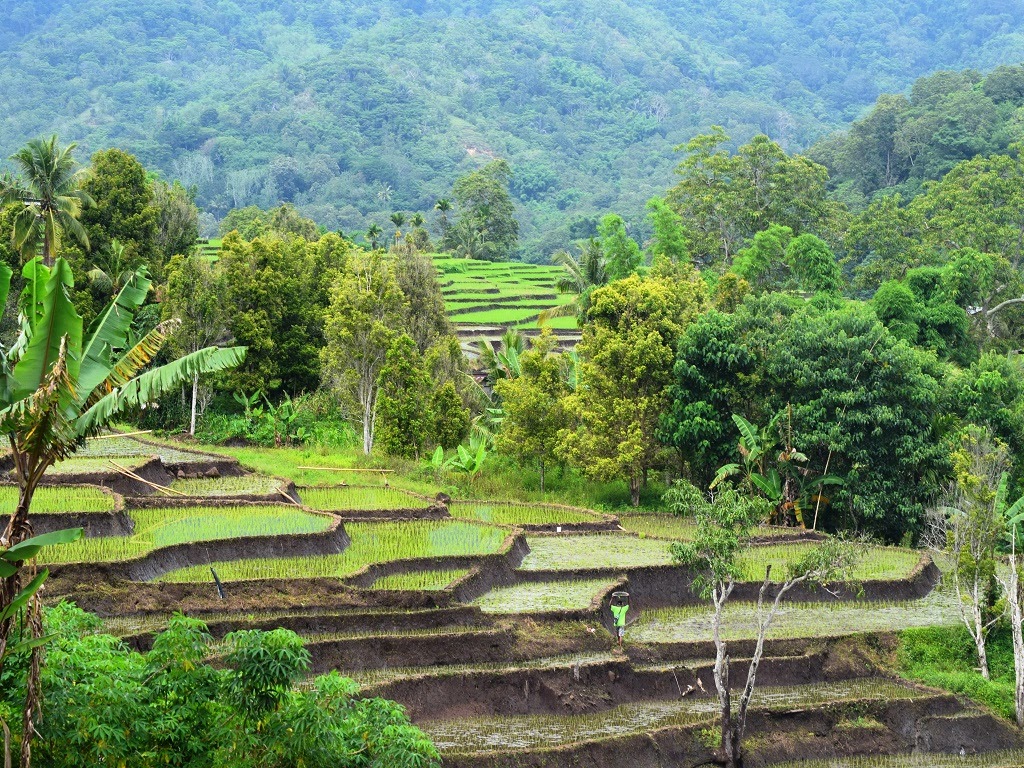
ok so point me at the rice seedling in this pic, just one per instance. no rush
(660, 526)
(1013, 759)
(876, 563)
(155, 528)
(575, 552)
(795, 620)
(95, 464)
(420, 580)
(530, 597)
(59, 498)
(228, 486)
(371, 543)
(532, 731)
(518, 514)
(665, 526)
(381, 675)
(342, 498)
(114, 447)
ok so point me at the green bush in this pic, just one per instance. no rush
(108, 705)
(945, 657)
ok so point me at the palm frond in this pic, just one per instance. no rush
(569, 309)
(59, 324)
(149, 386)
(109, 332)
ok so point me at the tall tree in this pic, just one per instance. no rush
(533, 406)
(49, 191)
(403, 404)
(627, 353)
(426, 318)
(486, 211)
(621, 252)
(195, 299)
(361, 323)
(122, 209)
(724, 531)
(727, 198)
(177, 220)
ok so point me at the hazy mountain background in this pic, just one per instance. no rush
(353, 110)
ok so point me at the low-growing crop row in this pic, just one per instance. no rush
(77, 465)
(228, 486)
(427, 580)
(576, 552)
(518, 514)
(794, 620)
(371, 543)
(530, 597)
(155, 528)
(59, 498)
(353, 497)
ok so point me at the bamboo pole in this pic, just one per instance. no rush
(162, 488)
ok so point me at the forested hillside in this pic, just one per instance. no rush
(355, 110)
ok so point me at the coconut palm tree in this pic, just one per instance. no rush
(442, 207)
(581, 276)
(398, 219)
(48, 189)
(373, 232)
(417, 220)
(112, 269)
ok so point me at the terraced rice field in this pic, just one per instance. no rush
(92, 465)
(562, 552)
(612, 551)
(113, 447)
(371, 543)
(469, 735)
(228, 486)
(426, 580)
(683, 528)
(60, 498)
(518, 514)
(825, 619)
(543, 596)
(348, 498)
(155, 528)
(992, 760)
(478, 292)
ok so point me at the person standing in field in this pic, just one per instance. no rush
(619, 607)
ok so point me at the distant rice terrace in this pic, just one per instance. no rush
(484, 298)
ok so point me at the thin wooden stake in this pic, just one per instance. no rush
(162, 488)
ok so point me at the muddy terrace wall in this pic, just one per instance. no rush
(286, 496)
(351, 621)
(800, 734)
(593, 687)
(166, 559)
(108, 589)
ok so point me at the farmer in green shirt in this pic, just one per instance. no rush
(619, 606)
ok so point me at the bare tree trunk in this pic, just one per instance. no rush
(542, 475)
(33, 690)
(1011, 588)
(195, 395)
(634, 490)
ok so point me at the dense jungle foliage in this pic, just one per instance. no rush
(353, 111)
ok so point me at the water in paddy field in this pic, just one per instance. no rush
(532, 731)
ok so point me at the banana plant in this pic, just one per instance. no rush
(754, 446)
(61, 383)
